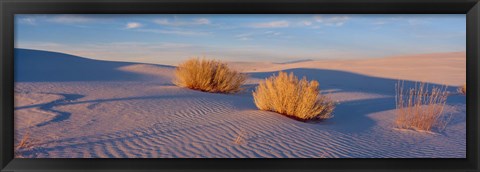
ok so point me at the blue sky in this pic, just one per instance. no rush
(168, 39)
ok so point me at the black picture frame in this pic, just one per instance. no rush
(9, 8)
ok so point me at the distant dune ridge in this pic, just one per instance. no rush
(74, 107)
(439, 68)
(296, 61)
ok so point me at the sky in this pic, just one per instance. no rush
(169, 39)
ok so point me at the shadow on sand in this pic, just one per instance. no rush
(45, 66)
(61, 116)
(346, 81)
(355, 111)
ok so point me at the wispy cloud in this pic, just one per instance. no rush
(152, 46)
(416, 22)
(439, 36)
(28, 20)
(202, 21)
(167, 22)
(70, 19)
(244, 36)
(272, 24)
(133, 25)
(329, 20)
(249, 36)
(401, 20)
(175, 32)
(380, 22)
(272, 33)
(307, 23)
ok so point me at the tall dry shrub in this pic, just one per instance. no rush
(287, 95)
(209, 76)
(421, 107)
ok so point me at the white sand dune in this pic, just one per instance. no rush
(90, 110)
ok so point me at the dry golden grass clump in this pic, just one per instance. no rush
(287, 95)
(240, 139)
(209, 76)
(463, 89)
(24, 143)
(421, 108)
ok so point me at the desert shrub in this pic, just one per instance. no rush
(209, 76)
(287, 95)
(421, 107)
(24, 143)
(463, 89)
